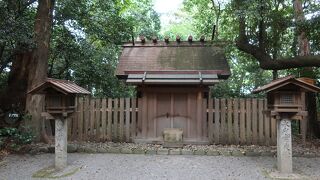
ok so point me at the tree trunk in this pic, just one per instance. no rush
(39, 65)
(15, 93)
(304, 50)
(29, 69)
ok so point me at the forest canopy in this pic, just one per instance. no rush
(86, 38)
(85, 41)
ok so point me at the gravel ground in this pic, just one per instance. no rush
(135, 166)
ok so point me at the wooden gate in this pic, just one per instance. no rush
(171, 113)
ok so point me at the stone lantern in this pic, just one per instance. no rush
(59, 105)
(286, 102)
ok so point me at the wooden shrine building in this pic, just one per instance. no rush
(172, 80)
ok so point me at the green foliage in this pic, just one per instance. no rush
(142, 19)
(85, 39)
(16, 32)
(14, 138)
(16, 23)
(245, 76)
(181, 25)
(280, 37)
(85, 43)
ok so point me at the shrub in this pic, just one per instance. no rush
(13, 138)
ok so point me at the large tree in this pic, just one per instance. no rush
(268, 35)
(80, 39)
(29, 66)
(259, 50)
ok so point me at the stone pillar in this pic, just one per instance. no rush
(61, 143)
(284, 146)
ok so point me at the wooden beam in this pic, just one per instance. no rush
(199, 114)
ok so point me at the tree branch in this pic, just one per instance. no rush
(265, 60)
(295, 62)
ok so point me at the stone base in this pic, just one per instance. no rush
(172, 145)
(175, 152)
(163, 152)
(278, 175)
(186, 152)
(52, 173)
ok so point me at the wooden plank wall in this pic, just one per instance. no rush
(229, 121)
(240, 121)
(103, 119)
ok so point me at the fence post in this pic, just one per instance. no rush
(92, 119)
(97, 119)
(127, 121)
(210, 120)
(109, 123)
(80, 123)
(261, 108)
(223, 131)
(242, 122)
(75, 119)
(86, 118)
(254, 122)
(121, 124)
(266, 125)
(217, 121)
(115, 121)
(248, 122)
(104, 118)
(229, 120)
(134, 118)
(236, 120)
(204, 117)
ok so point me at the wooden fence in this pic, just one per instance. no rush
(240, 121)
(227, 121)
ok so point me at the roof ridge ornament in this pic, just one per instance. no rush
(190, 39)
(166, 39)
(154, 39)
(202, 38)
(178, 39)
(142, 39)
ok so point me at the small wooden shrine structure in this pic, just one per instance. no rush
(287, 96)
(59, 96)
(59, 105)
(286, 102)
(172, 79)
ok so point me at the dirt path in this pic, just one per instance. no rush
(121, 166)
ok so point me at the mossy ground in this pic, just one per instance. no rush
(52, 173)
(275, 175)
